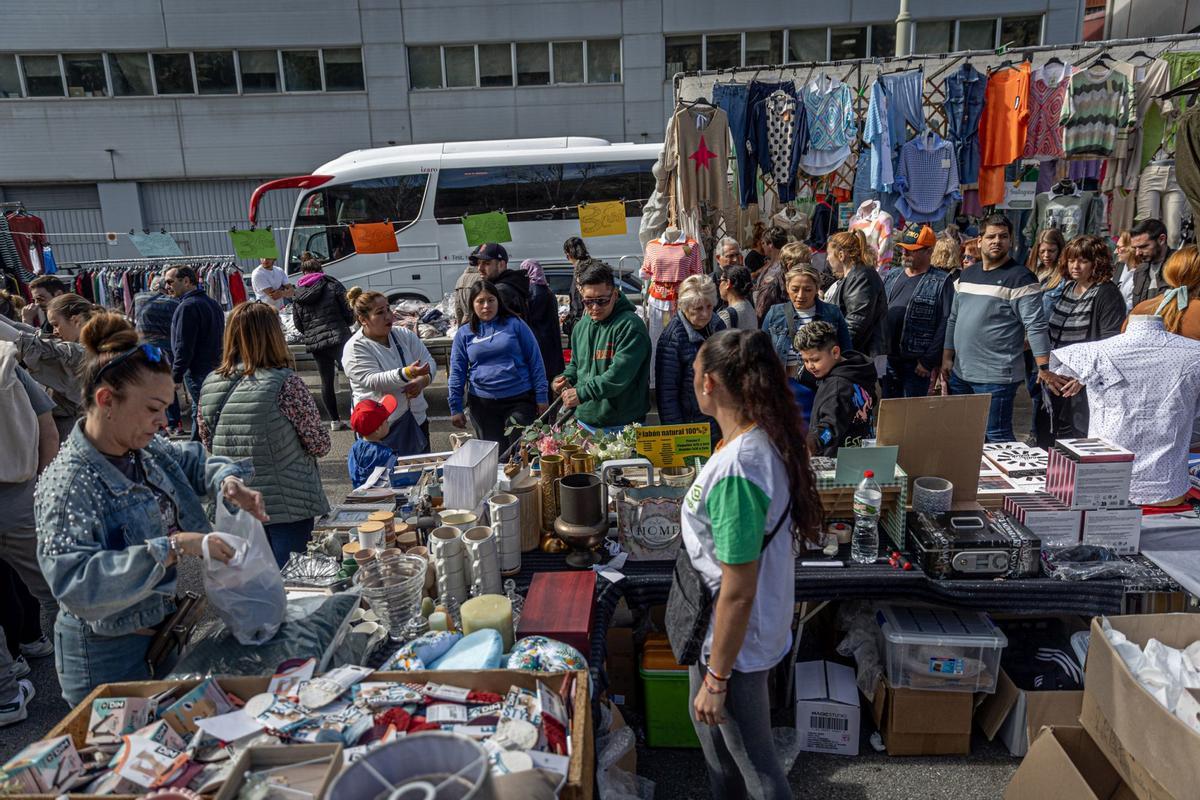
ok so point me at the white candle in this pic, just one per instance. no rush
(489, 611)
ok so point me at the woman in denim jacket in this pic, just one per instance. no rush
(119, 507)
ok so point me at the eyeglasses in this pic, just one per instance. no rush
(153, 353)
(597, 302)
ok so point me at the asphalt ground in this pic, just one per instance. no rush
(678, 774)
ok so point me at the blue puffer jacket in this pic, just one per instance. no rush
(781, 323)
(673, 371)
(101, 538)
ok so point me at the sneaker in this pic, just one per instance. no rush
(338, 425)
(20, 667)
(40, 648)
(18, 708)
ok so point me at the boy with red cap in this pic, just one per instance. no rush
(369, 420)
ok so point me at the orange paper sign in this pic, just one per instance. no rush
(374, 237)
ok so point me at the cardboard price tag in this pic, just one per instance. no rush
(672, 445)
(258, 243)
(489, 227)
(602, 219)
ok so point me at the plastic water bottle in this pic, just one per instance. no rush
(864, 545)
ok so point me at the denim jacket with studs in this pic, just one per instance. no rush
(102, 541)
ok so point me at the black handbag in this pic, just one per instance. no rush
(690, 604)
(405, 438)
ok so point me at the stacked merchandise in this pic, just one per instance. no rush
(1093, 476)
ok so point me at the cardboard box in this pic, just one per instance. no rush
(45, 766)
(1156, 753)
(621, 666)
(938, 437)
(1118, 529)
(917, 722)
(1089, 473)
(313, 778)
(827, 712)
(581, 770)
(1016, 715)
(1064, 763)
(1054, 523)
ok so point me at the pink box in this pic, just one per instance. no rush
(1089, 473)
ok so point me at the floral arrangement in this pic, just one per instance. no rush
(548, 439)
(612, 446)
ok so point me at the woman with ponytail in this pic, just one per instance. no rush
(743, 521)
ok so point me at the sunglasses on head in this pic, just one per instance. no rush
(153, 353)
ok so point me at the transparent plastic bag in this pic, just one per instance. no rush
(1088, 562)
(247, 593)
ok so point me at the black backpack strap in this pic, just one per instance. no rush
(787, 514)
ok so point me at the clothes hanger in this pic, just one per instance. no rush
(1189, 89)
(1141, 54)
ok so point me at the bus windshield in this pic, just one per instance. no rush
(321, 224)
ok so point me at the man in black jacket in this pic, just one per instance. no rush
(197, 331)
(919, 302)
(1149, 241)
(513, 285)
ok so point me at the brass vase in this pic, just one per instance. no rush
(552, 470)
(568, 453)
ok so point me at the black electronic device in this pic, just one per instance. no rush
(972, 544)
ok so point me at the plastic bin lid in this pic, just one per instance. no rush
(659, 660)
(906, 625)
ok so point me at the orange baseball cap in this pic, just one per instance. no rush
(917, 237)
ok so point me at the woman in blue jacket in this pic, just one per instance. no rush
(692, 324)
(495, 369)
(804, 305)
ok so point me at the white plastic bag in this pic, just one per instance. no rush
(247, 593)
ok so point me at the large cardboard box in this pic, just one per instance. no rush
(1156, 753)
(938, 436)
(1065, 764)
(1016, 715)
(581, 770)
(827, 712)
(917, 722)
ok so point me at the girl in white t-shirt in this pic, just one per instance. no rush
(758, 481)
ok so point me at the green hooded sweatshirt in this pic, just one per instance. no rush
(610, 367)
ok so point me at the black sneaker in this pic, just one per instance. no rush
(17, 709)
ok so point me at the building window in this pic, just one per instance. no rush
(976, 34)
(425, 67)
(495, 65)
(847, 43)
(301, 71)
(722, 50)
(460, 66)
(934, 37)
(568, 62)
(260, 71)
(1021, 31)
(173, 73)
(85, 75)
(684, 54)
(604, 61)
(130, 74)
(883, 41)
(343, 70)
(809, 44)
(43, 76)
(10, 79)
(533, 63)
(215, 73)
(764, 47)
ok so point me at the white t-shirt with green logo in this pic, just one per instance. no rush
(735, 502)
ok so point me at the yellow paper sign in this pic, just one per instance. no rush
(602, 219)
(671, 445)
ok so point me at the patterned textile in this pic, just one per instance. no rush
(1100, 104)
(877, 135)
(781, 135)
(1047, 94)
(927, 176)
(829, 106)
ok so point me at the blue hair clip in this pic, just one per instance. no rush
(1178, 294)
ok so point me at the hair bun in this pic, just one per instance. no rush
(107, 333)
(353, 293)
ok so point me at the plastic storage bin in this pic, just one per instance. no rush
(666, 694)
(940, 649)
(470, 473)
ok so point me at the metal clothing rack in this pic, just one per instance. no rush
(146, 261)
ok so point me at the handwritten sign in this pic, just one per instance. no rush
(672, 445)
(374, 237)
(490, 227)
(153, 245)
(259, 243)
(602, 219)
(1019, 196)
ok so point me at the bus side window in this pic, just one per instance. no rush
(322, 226)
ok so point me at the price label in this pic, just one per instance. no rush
(672, 445)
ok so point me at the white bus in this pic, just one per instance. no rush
(425, 189)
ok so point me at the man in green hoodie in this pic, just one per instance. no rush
(608, 379)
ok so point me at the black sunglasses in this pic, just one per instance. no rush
(153, 353)
(597, 302)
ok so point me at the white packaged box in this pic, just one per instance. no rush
(1118, 529)
(827, 714)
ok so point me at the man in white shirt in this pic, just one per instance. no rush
(270, 284)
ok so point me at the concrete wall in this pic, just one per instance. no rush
(1134, 18)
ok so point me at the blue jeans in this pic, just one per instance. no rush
(902, 380)
(85, 660)
(1000, 412)
(731, 98)
(288, 537)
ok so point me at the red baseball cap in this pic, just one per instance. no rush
(369, 414)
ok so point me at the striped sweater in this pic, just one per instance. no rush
(994, 313)
(1099, 106)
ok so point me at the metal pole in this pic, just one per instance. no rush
(904, 25)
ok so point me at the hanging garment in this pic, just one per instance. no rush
(1187, 157)
(927, 178)
(1073, 214)
(1002, 128)
(668, 263)
(1099, 104)
(1158, 126)
(877, 136)
(824, 224)
(1149, 81)
(28, 231)
(965, 89)
(49, 263)
(906, 106)
(9, 255)
(732, 99)
(829, 112)
(1160, 197)
(1047, 94)
(778, 134)
(792, 220)
(877, 225)
(697, 153)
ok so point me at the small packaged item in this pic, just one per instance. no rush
(554, 720)
(375, 695)
(287, 680)
(322, 691)
(114, 717)
(45, 767)
(162, 733)
(522, 704)
(205, 699)
(147, 763)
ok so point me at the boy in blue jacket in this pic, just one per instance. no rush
(369, 420)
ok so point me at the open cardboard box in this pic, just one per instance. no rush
(1064, 763)
(938, 437)
(580, 772)
(918, 722)
(254, 759)
(1016, 715)
(1155, 752)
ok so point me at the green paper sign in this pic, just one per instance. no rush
(258, 243)
(489, 227)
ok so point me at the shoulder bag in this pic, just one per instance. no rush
(690, 604)
(405, 437)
